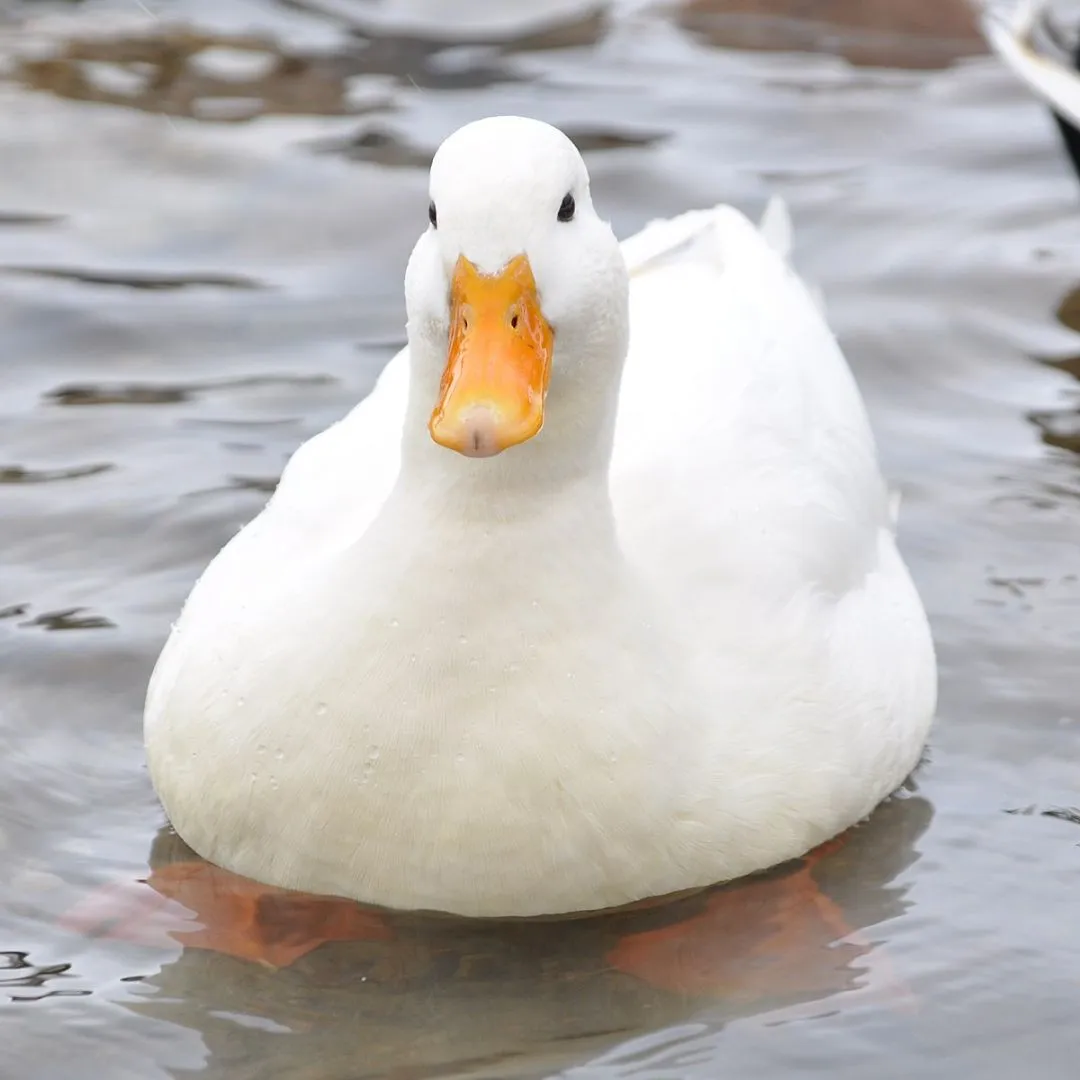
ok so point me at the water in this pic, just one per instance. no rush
(186, 293)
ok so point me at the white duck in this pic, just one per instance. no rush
(534, 632)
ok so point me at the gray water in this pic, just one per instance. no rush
(202, 239)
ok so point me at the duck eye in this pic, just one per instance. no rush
(566, 208)
(432, 216)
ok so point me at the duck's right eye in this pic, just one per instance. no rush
(432, 216)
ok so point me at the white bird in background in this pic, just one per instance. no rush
(1030, 45)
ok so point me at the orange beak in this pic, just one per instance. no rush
(498, 364)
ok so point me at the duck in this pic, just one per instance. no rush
(1052, 75)
(596, 598)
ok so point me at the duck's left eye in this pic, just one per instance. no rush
(432, 216)
(566, 208)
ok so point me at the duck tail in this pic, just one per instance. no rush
(894, 506)
(775, 226)
(778, 232)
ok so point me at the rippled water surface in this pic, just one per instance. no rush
(205, 211)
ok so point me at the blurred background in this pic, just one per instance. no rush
(205, 211)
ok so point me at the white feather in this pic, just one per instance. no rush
(702, 661)
(1010, 37)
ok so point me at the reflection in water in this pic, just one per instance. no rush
(886, 33)
(19, 474)
(1070, 814)
(138, 279)
(266, 485)
(75, 618)
(368, 992)
(554, 24)
(1059, 428)
(181, 71)
(263, 485)
(382, 146)
(14, 217)
(17, 971)
(170, 394)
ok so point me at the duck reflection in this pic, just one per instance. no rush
(276, 982)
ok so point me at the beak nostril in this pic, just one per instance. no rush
(498, 355)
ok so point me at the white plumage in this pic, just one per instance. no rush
(575, 674)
